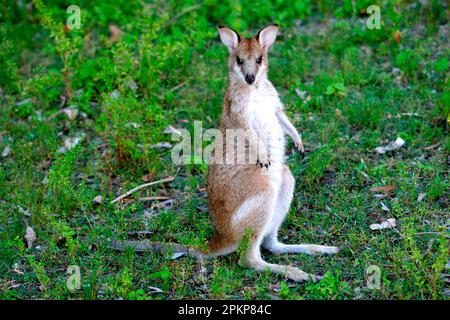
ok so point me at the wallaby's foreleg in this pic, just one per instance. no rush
(289, 129)
(283, 204)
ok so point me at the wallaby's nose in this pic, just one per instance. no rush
(250, 78)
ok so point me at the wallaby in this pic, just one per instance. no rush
(253, 197)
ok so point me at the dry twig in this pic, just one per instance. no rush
(168, 179)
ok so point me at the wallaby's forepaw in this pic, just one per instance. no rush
(299, 145)
(263, 160)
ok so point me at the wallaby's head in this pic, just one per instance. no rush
(248, 57)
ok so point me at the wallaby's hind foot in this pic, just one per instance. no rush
(292, 273)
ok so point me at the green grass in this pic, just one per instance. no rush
(366, 89)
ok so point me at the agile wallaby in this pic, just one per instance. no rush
(250, 196)
(255, 197)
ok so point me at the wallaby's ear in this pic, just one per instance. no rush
(266, 36)
(229, 37)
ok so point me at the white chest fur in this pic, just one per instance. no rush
(261, 109)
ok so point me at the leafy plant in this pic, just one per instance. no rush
(318, 162)
(330, 287)
(337, 88)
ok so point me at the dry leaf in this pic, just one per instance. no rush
(148, 177)
(384, 189)
(16, 269)
(69, 143)
(14, 285)
(71, 113)
(421, 196)
(389, 223)
(398, 76)
(170, 129)
(115, 94)
(397, 36)
(98, 199)
(6, 151)
(24, 212)
(176, 255)
(384, 207)
(133, 124)
(116, 33)
(149, 213)
(132, 84)
(398, 143)
(365, 175)
(155, 290)
(304, 95)
(30, 236)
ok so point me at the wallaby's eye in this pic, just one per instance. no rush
(259, 60)
(239, 61)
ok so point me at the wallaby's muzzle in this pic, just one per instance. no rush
(250, 78)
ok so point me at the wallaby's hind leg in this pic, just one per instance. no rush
(258, 217)
(254, 260)
(220, 246)
(283, 204)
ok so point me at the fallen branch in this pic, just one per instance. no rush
(145, 185)
(61, 105)
(153, 198)
(405, 114)
(178, 86)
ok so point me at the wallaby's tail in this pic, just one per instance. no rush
(146, 246)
